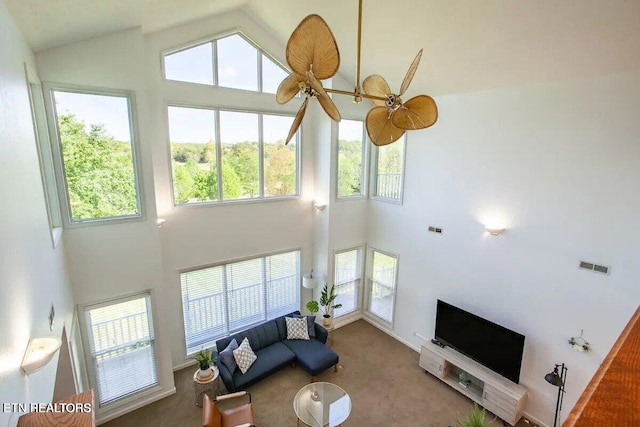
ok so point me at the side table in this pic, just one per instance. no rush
(210, 386)
(330, 335)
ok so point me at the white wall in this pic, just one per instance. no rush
(558, 165)
(114, 260)
(33, 274)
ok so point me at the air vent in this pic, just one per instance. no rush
(435, 230)
(595, 267)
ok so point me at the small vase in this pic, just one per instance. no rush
(205, 374)
(326, 321)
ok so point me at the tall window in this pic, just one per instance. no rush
(45, 156)
(223, 299)
(381, 285)
(348, 271)
(121, 343)
(228, 155)
(97, 155)
(389, 170)
(351, 149)
(232, 61)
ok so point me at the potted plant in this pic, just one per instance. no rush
(205, 360)
(474, 419)
(327, 297)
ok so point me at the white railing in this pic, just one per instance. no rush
(205, 317)
(389, 185)
(347, 295)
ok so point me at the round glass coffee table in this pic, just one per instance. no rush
(322, 404)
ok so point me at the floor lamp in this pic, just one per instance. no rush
(558, 378)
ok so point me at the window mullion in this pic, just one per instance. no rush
(214, 60)
(265, 291)
(261, 154)
(218, 155)
(259, 71)
(226, 301)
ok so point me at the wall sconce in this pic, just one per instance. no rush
(39, 352)
(160, 222)
(319, 206)
(494, 230)
(308, 281)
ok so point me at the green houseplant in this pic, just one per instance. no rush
(204, 358)
(326, 304)
(474, 419)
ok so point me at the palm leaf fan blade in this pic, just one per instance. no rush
(289, 88)
(417, 113)
(380, 129)
(410, 73)
(312, 47)
(325, 101)
(297, 121)
(376, 85)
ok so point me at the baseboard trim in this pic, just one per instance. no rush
(535, 420)
(101, 419)
(391, 334)
(184, 365)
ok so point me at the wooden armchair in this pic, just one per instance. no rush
(234, 417)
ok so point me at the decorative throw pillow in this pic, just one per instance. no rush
(227, 358)
(244, 356)
(311, 324)
(297, 328)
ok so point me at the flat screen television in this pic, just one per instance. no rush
(496, 347)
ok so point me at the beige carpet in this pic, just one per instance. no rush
(381, 375)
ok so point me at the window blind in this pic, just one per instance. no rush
(121, 342)
(221, 300)
(347, 281)
(382, 285)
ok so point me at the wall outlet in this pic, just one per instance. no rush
(435, 229)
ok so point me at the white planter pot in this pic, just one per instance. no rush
(206, 374)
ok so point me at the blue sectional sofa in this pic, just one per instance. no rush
(274, 351)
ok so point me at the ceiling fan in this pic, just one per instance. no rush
(312, 53)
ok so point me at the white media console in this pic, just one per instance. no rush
(494, 392)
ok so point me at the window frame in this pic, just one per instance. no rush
(188, 354)
(221, 201)
(368, 288)
(45, 154)
(61, 179)
(361, 279)
(374, 175)
(214, 59)
(88, 356)
(364, 172)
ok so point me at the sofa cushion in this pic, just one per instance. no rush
(297, 328)
(311, 321)
(312, 355)
(270, 359)
(227, 358)
(244, 356)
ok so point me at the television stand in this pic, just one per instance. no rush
(491, 390)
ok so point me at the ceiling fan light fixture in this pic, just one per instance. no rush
(313, 55)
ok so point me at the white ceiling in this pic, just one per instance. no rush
(468, 45)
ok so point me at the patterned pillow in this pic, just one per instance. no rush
(244, 356)
(297, 329)
(311, 324)
(226, 356)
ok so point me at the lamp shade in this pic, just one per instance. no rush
(553, 378)
(309, 281)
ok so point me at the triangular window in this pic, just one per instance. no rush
(231, 61)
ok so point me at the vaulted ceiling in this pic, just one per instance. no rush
(468, 45)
